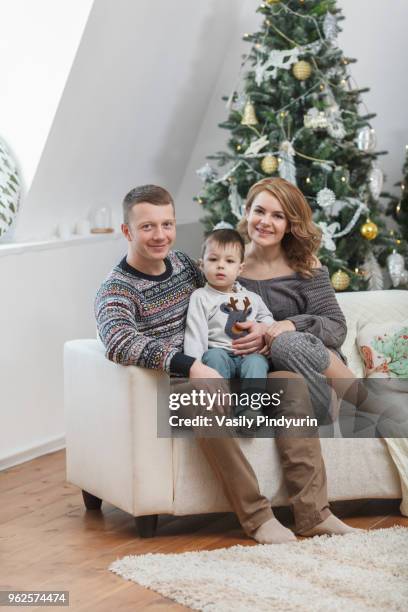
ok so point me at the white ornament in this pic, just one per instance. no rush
(277, 59)
(330, 27)
(396, 268)
(325, 198)
(223, 225)
(328, 233)
(373, 272)
(336, 130)
(335, 127)
(256, 146)
(376, 180)
(236, 202)
(366, 139)
(287, 168)
(10, 189)
(315, 119)
(207, 173)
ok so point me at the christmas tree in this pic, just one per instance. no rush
(295, 114)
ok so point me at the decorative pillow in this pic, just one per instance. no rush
(384, 349)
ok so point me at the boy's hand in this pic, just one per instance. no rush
(253, 342)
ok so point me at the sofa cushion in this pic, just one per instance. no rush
(384, 349)
(368, 307)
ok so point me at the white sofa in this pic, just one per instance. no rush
(113, 453)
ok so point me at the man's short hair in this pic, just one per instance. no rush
(153, 194)
(224, 237)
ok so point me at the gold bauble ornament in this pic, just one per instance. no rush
(269, 164)
(340, 280)
(369, 230)
(249, 116)
(302, 70)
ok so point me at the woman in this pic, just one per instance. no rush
(282, 267)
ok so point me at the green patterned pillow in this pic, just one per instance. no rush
(384, 349)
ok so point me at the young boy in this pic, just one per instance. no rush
(214, 311)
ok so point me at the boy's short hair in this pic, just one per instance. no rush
(224, 237)
(153, 194)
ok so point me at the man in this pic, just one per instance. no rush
(141, 311)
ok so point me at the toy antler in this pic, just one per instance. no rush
(247, 303)
(233, 303)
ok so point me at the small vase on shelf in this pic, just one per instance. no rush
(101, 221)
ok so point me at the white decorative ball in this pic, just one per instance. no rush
(325, 198)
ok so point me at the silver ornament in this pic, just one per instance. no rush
(207, 173)
(287, 168)
(236, 202)
(335, 126)
(330, 27)
(366, 139)
(325, 198)
(315, 119)
(336, 130)
(373, 272)
(396, 268)
(376, 180)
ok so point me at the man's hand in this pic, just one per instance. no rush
(253, 342)
(276, 329)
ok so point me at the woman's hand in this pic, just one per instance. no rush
(276, 329)
(252, 342)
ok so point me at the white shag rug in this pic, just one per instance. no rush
(358, 572)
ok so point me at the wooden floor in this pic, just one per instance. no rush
(48, 541)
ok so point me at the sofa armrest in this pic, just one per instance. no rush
(111, 431)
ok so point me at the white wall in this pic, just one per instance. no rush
(37, 46)
(132, 107)
(49, 299)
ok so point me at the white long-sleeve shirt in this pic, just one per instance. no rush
(211, 316)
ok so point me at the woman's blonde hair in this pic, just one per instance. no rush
(302, 241)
